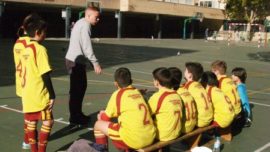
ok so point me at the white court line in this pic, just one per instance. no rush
(143, 72)
(258, 92)
(15, 110)
(148, 86)
(107, 82)
(252, 91)
(263, 147)
(260, 104)
(59, 120)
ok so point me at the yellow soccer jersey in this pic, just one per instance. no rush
(190, 118)
(20, 44)
(137, 129)
(166, 106)
(227, 85)
(35, 63)
(223, 109)
(203, 104)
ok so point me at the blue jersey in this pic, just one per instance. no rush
(242, 90)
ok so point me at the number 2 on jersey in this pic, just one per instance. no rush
(144, 108)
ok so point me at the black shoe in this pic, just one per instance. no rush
(80, 120)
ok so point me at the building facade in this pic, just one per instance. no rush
(120, 18)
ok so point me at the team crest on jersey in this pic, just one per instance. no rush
(25, 56)
(17, 51)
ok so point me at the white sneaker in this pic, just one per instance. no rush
(26, 146)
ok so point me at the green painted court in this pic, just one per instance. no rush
(141, 56)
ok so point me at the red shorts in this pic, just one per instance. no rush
(40, 115)
(214, 123)
(115, 137)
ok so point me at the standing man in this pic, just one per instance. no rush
(79, 52)
(206, 34)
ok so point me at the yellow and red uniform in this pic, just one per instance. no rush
(19, 46)
(203, 104)
(190, 119)
(166, 106)
(227, 85)
(223, 109)
(34, 60)
(135, 125)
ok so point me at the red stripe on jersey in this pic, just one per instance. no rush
(161, 99)
(220, 81)
(104, 117)
(114, 126)
(187, 85)
(118, 99)
(210, 93)
(32, 46)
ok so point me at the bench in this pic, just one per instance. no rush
(197, 133)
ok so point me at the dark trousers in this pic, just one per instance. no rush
(78, 85)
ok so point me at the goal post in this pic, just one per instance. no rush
(235, 35)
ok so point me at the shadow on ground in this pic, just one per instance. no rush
(108, 55)
(70, 129)
(260, 56)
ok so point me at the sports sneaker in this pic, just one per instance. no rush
(26, 146)
(247, 123)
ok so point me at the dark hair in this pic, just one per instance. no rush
(37, 25)
(123, 77)
(219, 65)
(163, 76)
(209, 78)
(240, 73)
(176, 77)
(27, 20)
(195, 69)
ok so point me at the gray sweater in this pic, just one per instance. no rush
(80, 45)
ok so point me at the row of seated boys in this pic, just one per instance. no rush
(206, 98)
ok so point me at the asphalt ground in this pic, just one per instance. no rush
(141, 56)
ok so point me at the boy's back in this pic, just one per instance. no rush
(227, 85)
(136, 125)
(223, 109)
(190, 119)
(204, 106)
(166, 105)
(20, 44)
(34, 64)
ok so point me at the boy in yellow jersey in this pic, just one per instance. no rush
(165, 106)
(135, 128)
(190, 114)
(223, 109)
(226, 84)
(37, 91)
(204, 106)
(20, 44)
